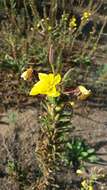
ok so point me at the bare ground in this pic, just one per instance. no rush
(18, 138)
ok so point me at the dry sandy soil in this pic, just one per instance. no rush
(18, 138)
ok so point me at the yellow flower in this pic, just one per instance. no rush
(47, 18)
(46, 85)
(84, 184)
(64, 17)
(42, 20)
(38, 25)
(26, 75)
(86, 16)
(72, 23)
(72, 103)
(79, 172)
(49, 28)
(84, 93)
(90, 187)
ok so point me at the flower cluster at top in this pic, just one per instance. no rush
(87, 186)
(86, 16)
(72, 23)
(45, 23)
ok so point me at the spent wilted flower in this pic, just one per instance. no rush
(83, 93)
(26, 75)
(46, 85)
(86, 16)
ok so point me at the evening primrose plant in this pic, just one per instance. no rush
(55, 119)
(52, 45)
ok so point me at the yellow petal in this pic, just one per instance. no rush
(53, 93)
(40, 87)
(91, 187)
(51, 78)
(79, 171)
(57, 79)
(84, 184)
(42, 76)
(36, 89)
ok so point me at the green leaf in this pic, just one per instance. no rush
(91, 150)
(52, 100)
(64, 119)
(69, 145)
(67, 74)
(67, 113)
(84, 154)
(93, 158)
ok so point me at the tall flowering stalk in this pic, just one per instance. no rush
(54, 128)
(55, 119)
